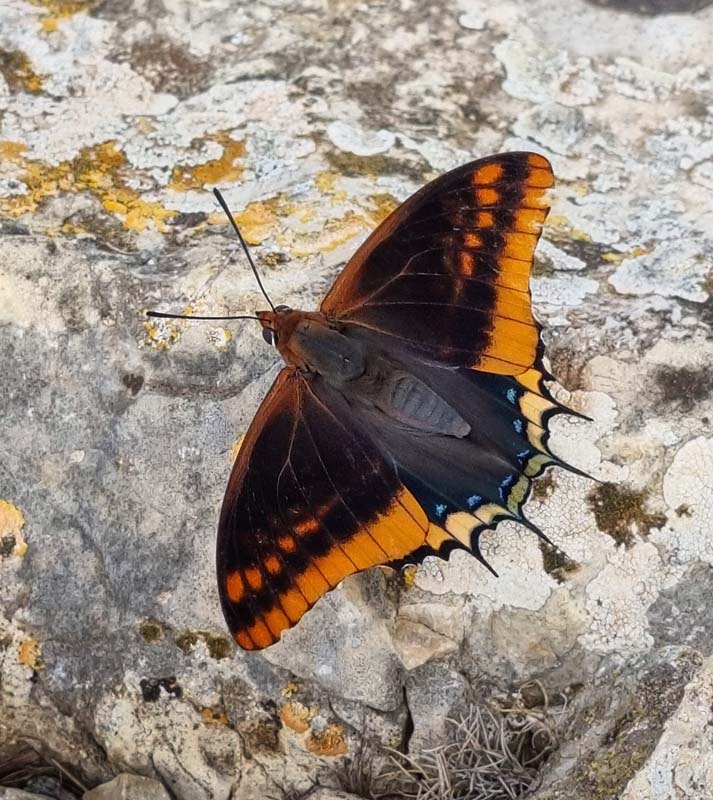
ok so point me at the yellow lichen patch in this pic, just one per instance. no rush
(560, 223)
(333, 234)
(217, 170)
(162, 334)
(326, 181)
(64, 8)
(49, 24)
(29, 654)
(212, 716)
(383, 205)
(17, 70)
(616, 258)
(290, 690)
(329, 742)
(408, 575)
(297, 716)
(97, 169)
(11, 523)
(11, 151)
(257, 221)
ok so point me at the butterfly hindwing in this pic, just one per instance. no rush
(447, 274)
(469, 482)
(310, 501)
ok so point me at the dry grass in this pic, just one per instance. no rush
(491, 754)
(30, 769)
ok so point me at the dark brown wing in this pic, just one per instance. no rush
(310, 501)
(447, 274)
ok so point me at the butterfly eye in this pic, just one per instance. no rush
(282, 308)
(269, 336)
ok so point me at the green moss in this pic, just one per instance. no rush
(218, 646)
(186, 641)
(622, 512)
(151, 630)
(543, 487)
(556, 563)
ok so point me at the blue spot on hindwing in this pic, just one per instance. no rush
(440, 509)
(474, 500)
(504, 485)
(511, 395)
(517, 424)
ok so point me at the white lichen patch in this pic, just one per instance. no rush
(675, 269)
(562, 291)
(618, 598)
(688, 493)
(514, 553)
(354, 139)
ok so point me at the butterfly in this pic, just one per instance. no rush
(412, 412)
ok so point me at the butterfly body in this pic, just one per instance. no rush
(412, 413)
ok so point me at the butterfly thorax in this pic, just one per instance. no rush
(367, 379)
(312, 343)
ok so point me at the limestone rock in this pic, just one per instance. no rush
(129, 787)
(317, 117)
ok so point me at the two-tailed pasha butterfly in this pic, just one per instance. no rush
(412, 413)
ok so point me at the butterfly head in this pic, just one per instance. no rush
(272, 322)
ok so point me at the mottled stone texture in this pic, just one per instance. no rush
(316, 117)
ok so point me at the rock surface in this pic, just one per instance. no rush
(316, 117)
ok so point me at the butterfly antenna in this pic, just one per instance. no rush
(224, 206)
(166, 315)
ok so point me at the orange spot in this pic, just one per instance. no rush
(541, 178)
(254, 577)
(514, 305)
(491, 173)
(287, 544)
(538, 161)
(402, 528)
(520, 245)
(514, 275)
(260, 634)
(485, 219)
(413, 507)
(293, 604)
(531, 380)
(535, 198)
(312, 584)
(335, 566)
(363, 550)
(529, 220)
(273, 565)
(467, 263)
(234, 587)
(306, 527)
(513, 344)
(244, 640)
(487, 197)
(472, 240)
(276, 621)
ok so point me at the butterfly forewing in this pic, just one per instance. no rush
(447, 274)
